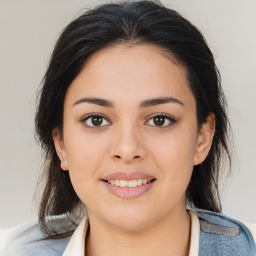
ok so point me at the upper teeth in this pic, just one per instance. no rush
(129, 183)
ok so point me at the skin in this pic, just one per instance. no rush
(130, 139)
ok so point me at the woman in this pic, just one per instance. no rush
(133, 121)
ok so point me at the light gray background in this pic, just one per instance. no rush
(28, 31)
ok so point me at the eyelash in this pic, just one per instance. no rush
(166, 117)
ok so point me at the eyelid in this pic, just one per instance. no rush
(86, 117)
(167, 116)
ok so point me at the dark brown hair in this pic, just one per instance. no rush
(139, 22)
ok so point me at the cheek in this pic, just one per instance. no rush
(178, 148)
(83, 149)
(84, 155)
(175, 154)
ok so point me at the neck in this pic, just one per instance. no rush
(170, 237)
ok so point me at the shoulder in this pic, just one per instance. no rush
(223, 235)
(28, 239)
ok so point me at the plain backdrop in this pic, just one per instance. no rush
(28, 32)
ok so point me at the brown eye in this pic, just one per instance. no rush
(161, 121)
(94, 121)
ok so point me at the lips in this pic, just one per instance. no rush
(128, 185)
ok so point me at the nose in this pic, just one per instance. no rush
(127, 145)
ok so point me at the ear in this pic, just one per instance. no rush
(204, 140)
(60, 148)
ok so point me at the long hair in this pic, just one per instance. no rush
(140, 22)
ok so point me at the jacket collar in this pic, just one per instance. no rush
(76, 245)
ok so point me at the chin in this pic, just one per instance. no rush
(131, 220)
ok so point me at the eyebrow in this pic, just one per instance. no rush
(143, 104)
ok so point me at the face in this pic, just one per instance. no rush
(130, 137)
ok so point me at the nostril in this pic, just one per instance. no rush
(117, 156)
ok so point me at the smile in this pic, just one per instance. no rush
(129, 183)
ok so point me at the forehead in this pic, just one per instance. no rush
(131, 72)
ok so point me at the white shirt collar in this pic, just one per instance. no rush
(76, 245)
